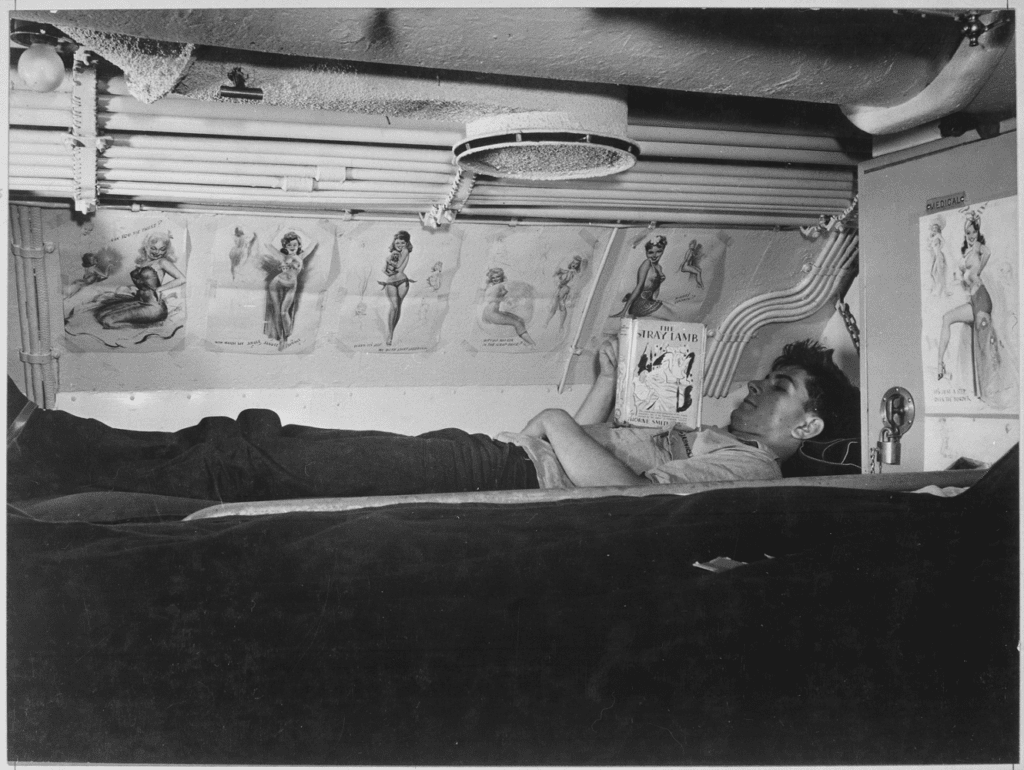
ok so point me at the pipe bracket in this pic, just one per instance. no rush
(37, 358)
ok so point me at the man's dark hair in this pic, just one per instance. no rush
(831, 395)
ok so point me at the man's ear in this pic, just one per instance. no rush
(811, 426)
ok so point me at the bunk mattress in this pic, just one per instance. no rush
(748, 625)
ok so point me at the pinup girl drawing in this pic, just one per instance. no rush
(976, 313)
(434, 279)
(643, 300)
(156, 252)
(240, 251)
(143, 308)
(691, 262)
(95, 268)
(396, 283)
(494, 292)
(283, 287)
(560, 303)
(937, 247)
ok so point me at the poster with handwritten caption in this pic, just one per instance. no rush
(523, 289)
(123, 282)
(267, 283)
(393, 292)
(970, 308)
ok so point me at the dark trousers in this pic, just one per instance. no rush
(254, 457)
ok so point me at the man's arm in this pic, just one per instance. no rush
(585, 461)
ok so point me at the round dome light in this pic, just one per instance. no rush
(545, 156)
(549, 146)
(41, 67)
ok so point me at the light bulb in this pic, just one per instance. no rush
(41, 67)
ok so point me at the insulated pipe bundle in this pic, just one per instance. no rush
(266, 156)
(824, 276)
(36, 352)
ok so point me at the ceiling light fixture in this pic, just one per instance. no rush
(40, 65)
(542, 146)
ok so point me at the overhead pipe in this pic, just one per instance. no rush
(321, 148)
(52, 118)
(774, 307)
(41, 171)
(180, 106)
(956, 85)
(645, 165)
(628, 181)
(183, 106)
(36, 185)
(793, 310)
(187, 194)
(683, 196)
(809, 206)
(194, 117)
(681, 184)
(36, 136)
(17, 156)
(658, 205)
(645, 215)
(380, 163)
(734, 153)
(290, 182)
(723, 342)
(673, 134)
(319, 173)
(143, 188)
(724, 355)
(271, 129)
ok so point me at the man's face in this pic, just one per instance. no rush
(774, 410)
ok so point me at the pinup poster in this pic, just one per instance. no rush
(394, 286)
(268, 278)
(123, 281)
(523, 289)
(669, 275)
(970, 309)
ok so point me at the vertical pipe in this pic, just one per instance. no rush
(17, 242)
(35, 247)
(29, 325)
(45, 347)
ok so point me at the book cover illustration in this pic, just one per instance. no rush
(660, 372)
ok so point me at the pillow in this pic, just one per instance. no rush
(824, 458)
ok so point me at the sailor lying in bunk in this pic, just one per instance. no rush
(254, 457)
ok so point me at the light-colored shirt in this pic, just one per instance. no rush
(664, 456)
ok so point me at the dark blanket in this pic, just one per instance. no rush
(862, 628)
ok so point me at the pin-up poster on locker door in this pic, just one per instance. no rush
(970, 308)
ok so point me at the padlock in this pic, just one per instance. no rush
(888, 447)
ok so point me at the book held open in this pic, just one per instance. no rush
(660, 373)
